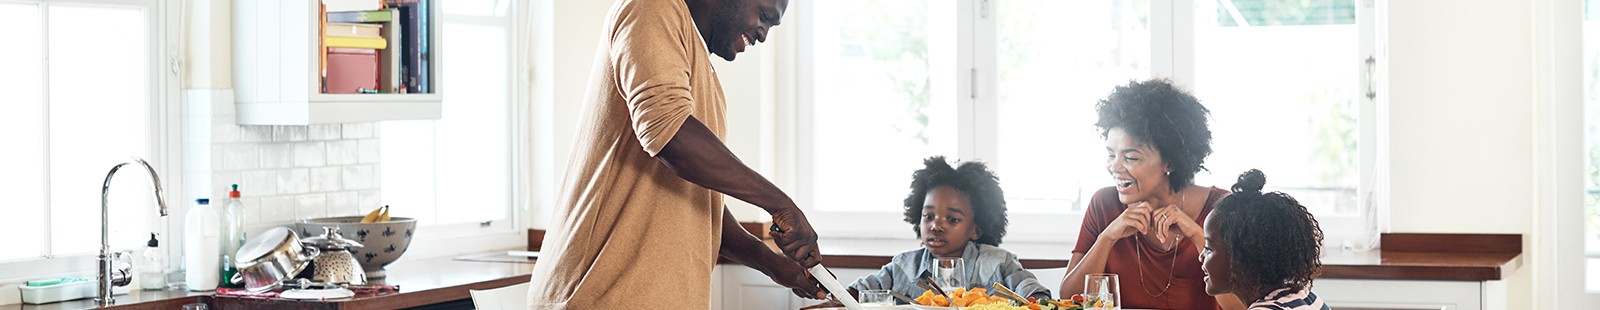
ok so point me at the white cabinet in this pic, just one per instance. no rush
(277, 65)
(1400, 294)
(743, 288)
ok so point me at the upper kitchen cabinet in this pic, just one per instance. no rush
(301, 62)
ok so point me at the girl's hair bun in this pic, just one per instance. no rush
(1250, 181)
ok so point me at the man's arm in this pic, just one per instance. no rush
(745, 249)
(695, 154)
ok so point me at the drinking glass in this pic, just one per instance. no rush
(876, 298)
(1103, 287)
(950, 272)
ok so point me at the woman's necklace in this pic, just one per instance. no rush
(1171, 271)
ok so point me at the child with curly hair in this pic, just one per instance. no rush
(956, 212)
(1263, 247)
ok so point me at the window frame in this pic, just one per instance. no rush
(164, 127)
(506, 232)
(1172, 56)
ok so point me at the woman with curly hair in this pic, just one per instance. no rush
(1263, 247)
(956, 211)
(1146, 226)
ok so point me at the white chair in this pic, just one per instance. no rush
(503, 298)
(1051, 278)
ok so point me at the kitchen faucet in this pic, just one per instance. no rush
(120, 278)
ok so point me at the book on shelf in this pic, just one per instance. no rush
(352, 5)
(389, 59)
(376, 16)
(414, 63)
(351, 70)
(354, 42)
(353, 30)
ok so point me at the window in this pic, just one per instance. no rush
(73, 110)
(1014, 83)
(457, 170)
(1591, 137)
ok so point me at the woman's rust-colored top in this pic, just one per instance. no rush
(1188, 289)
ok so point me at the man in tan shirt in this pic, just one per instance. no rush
(641, 221)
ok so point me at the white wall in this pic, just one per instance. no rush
(1463, 126)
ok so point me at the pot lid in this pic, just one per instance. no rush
(331, 240)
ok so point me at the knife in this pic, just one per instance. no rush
(832, 284)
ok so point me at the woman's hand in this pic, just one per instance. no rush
(1174, 225)
(1134, 220)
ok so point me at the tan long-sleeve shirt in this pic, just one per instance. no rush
(627, 232)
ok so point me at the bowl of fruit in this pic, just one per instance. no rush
(383, 238)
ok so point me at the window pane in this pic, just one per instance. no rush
(1056, 60)
(876, 109)
(458, 166)
(1283, 98)
(1591, 138)
(475, 7)
(100, 102)
(21, 119)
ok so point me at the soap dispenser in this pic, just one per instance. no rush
(151, 267)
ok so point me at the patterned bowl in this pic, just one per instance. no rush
(382, 243)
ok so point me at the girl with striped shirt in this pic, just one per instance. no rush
(1263, 247)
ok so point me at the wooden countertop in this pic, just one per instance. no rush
(422, 282)
(1404, 256)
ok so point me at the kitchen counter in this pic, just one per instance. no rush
(1404, 256)
(422, 282)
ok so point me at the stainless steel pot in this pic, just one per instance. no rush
(335, 265)
(269, 258)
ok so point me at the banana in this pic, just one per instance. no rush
(385, 216)
(372, 216)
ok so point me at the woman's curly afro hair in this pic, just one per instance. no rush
(975, 180)
(1272, 241)
(1164, 116)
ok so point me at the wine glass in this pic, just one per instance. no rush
(950, 273)
(1102, 287)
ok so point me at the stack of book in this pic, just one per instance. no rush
(374, 46)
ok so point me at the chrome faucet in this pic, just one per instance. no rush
(121, 277)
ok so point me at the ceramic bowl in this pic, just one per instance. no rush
(382, 242)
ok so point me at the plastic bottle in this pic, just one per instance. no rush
(202, 242)
(233, 235)
(151, 270)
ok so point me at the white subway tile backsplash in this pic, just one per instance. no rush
(326, 132)
(277, 210)
(310, 154)
(359, 177)
(368, 200)
(224, 130)
(252, 210)
(343, 152)
(276, 155)
(367, 152)
(287, 173)
(289, 133)
(255, 133)
(294, 181)
(343, 204)
(310, 206)
(325, 179)
(237, 156)
(358, 130)
(259, 183)
(221, 179)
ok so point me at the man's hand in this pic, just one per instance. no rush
(794, 235)
(788, 273)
